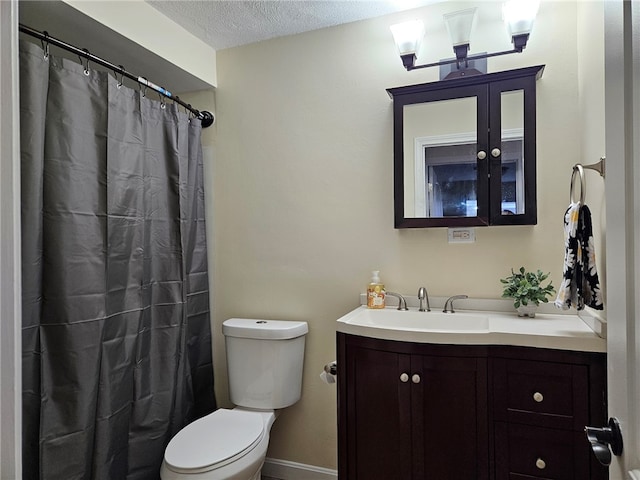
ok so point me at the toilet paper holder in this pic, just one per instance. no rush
(331, 368)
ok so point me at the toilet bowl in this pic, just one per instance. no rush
(224, 445)
(264, 365)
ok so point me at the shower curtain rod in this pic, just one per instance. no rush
(205, 117)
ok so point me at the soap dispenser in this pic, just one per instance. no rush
(375, 291)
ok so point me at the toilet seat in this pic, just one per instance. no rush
(215, 440)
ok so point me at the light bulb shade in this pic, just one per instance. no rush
(519, 16)
(459, 25)
(408, 36)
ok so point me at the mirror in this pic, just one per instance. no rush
(512, 156)
(440, 145)
(441, 155)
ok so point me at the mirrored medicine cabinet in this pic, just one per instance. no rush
(465, 150)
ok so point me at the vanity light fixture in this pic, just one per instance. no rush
(518, 16)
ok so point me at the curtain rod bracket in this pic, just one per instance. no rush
(206, 118)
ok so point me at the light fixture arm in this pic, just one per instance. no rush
(409, 60)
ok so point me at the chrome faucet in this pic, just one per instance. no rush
(422, 296)
(448, 305)
(402, 302)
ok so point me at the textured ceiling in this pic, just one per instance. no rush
(229, 23)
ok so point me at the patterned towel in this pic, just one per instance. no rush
(567, 293)
(580, 285)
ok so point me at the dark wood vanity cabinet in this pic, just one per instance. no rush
(448, 412)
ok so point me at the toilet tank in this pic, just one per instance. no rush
(264, 361)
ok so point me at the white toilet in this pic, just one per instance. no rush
(264, 364)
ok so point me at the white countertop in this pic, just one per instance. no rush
(555, 331)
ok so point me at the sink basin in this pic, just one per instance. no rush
(434, 321)
(472, 327)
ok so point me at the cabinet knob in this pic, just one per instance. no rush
(404, 378)
(415, 378)
(538, 397)
(495, 152)
(541, 464)
(482, 155)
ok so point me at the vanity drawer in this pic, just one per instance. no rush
(526, 452)
(546, 394)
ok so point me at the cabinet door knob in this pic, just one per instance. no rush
(415, 378)
(404, 378)
(541, 464)
(538, 397)
(495, 152)
(482, 155)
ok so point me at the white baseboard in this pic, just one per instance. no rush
(285, 470)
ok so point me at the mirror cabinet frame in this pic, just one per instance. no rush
(487, 89)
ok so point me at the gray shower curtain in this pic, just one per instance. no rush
(116, 334)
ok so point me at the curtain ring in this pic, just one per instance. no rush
(163, 105)
(189, 111)
(45, 44)
(86, 67)
(143, 87)
(583, 187)
(115, 74)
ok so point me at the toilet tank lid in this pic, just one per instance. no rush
(264, 329)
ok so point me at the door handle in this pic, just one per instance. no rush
(601, 438)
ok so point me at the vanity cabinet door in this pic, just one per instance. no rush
(410, 411)
(374, 414)
(450, 417)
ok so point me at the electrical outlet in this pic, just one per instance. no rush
(461, 235)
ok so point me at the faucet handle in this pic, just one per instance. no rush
(448, 305)
(402, 303)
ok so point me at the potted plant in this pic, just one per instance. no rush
(527, 290)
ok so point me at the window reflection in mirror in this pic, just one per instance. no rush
(512, 118)
(451, 184)
(440, 149)
(452, 178)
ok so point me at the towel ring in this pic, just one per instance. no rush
(583, 187)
